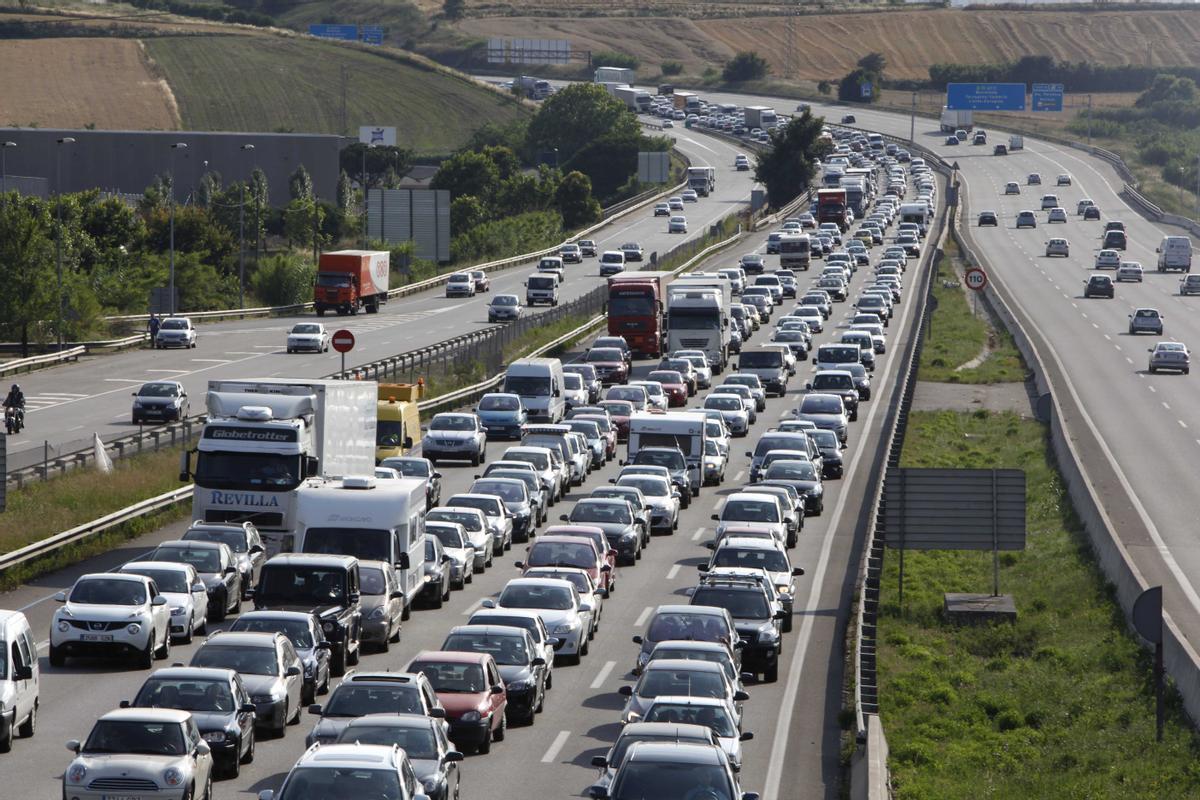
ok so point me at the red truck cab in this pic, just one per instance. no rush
(350, 280)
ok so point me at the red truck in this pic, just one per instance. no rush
(350, 280)
(831, 207)
(635, 309)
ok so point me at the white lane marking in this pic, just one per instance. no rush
(167, 372)
(642, 617)
(265, 347)
(1151, 388)
(674, 570)
(556, 747)
(1167, 407)
(240, 353)
(603, 674)
(471, 609)
(1109, 338)
(214, 360)
(741, 473)
(1182, 424)
(696, 536)
(125, 380)
(1130, 360)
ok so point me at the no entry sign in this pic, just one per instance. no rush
(342, 341)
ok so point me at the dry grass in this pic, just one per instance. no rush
(69, 83)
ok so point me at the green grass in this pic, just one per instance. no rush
(267, 83)
(959, 335)
(1057, 705)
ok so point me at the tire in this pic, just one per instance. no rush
(282, 729)
(337, 662)
(771, 674)
(248, 758)
(29, 726)
(219, 616)
(485, 746)
(232, 769)
(58, 658)
(353, 658)
(145, 659)
(7, 739)
(787, 624)
(498, 735)
(475, 460)
(438, 600)
(164, 652)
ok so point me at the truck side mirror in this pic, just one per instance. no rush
(185, 466)
(408, 442)
(311, 466)
(404, 562)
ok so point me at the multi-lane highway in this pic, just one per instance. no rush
(67, 404)
(794, 720)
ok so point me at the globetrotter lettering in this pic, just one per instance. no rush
(248, 435)
(240, 499)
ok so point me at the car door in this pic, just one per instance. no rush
(288, 658)
(160, 614)
(257, 552)
(497, 700)
(202, 763)
(24, 655)
(245, 720)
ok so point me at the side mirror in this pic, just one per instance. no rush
(538, 661)
(255, 549)
(74, 746)
(437, 713)
(159, 601)
(396, 595)
(324, 646)
(61, 597)
(497, 689)
(716, 517)
(487, 602)
(585, 607)
(519, 564)
(741, 696)
(314, 709)
(404, 562)
(711, 545)
(606, 568)
(553, 641)
(247, 708)
(437, 475)
(600, 793)
(702, 567)
(445, 558)
(202, 748)
(602, 592)
(625, 691)
(266, 794)
(453, 756)
(124, 704)
(637, 639)
(746, 676)
(797, 571)
(564, 518)
(600, 762)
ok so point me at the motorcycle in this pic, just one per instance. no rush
(14, 420)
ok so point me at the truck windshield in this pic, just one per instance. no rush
(266, 471)
(389, 433)
(335, 280)
(631, 306)
(694, 320)
(365, 544)
(527, 386)
(300, 585)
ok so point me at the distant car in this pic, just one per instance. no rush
(612, 262)
(988, 218)
(1000, 150)
(160, 400)
(1057, 247)
(1190, 285)
(1083, 205)
(482, 282)
(175, 332)
(633, 251)
(1170, 355)
(1107, 259)
(1057, 215)
(676, 225)
(1012, 187)
(980, 137)
(690, 196)
(741, 163)
(505, 307)
(570, 253)
(675, 203)
(308, 336)
(1049, 201)
(1026, 219)
(951, 140)
(587, 247)
(1129, 271)
(460, 284)
(1091, 212)
(1146, 320)
(668, 123)
(752, 263)
(1034, 179)
(662, 210)
(455, 436)
(1063, 180)
(1099, 286)
(848, 119)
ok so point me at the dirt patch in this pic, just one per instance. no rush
(71, 83)
(1015, 397)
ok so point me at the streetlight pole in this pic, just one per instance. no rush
(246, 148)
(58, 233)
(4, 165)
(912, 120)
(171, 284)
(364, 191)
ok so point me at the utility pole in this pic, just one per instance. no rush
(1089, 120)
(62, 300)
(246, 148)
(171, 284)
(365, 187)
(912, 120)
(4, 165)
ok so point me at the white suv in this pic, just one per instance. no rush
(111, 614)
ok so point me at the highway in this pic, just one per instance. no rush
(794, 720)
(67, 404)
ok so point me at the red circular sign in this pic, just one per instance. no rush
(976, 279)
(342, 341)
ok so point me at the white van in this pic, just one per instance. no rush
(836, 356)
(19, 682)
(1175, 252)
(541, 288)
(539, 383)
(368, 519)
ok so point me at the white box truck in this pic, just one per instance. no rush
(682, 429)
(370, 519)
(955, 120)
(761, 117)
(539, 383)
(1174, 252)
(702, 179)
(627, 95)
(264, 436)
(613, 75)
(698, 316)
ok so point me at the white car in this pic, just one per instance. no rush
(308, 336)
(175, 332)
(690, 196)
(558, 603)
(460, 284)
(1058, 247)
(1190, 285)
(1049, 201)
(1083, 205)
(1129, 271)
(151, 752)
(1108, 259)
(1057, 215)
(675, 203)
(186, 595)
(611, 262)
(662, 209)
(108, 614)
(677, 225)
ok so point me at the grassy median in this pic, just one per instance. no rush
(1059, 704)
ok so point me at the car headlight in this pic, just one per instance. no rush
(262, 698)
(63, 626)
(310, 668)
(214, 737)
(377, 613)
(471, 716)
(133, 628)
(76, 773)
(178, 612)
(327, 627)
(173, 777)
(520, 686)
(567, 627)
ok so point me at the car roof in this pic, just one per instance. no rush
(683, 664)
(492, 630)
(261, 639)
(194, 673)
(561, 583)
(117, 576)
(170, 566)
(711, 611)
(306, 559)
(193, 544)
(451, 656)
(392, 720)
(297, 616)
(146, 715)
(674, 752)
(361, 756)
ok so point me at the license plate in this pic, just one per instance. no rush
(121, 797)
(100, 637)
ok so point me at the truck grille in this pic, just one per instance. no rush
(259, 518)
(693, 344)
(123, 785)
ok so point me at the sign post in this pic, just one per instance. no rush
(343, 342)
(976, 280)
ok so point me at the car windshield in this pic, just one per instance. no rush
(506, 650)
(511, 492)
(102, 592)
(759, 359)
(409, 467)
(357, 700)
(770, 560)
(650, 487)
(362, 543)
(490, 507)
(282, 584)
(750, 511)
(572, 381)
(470, 522)
(635, 394)
(326, 781)
(605, 354)
(416, 742)
(712, 717)
(504, 300)
(578, 579)
(562, 554)
(239, 658)
(167, 580)
(671, 459)
(186, 694)
(723, 402)
(700, 627)
(204, 560)
(371, 579)
(452, 422)
(174, 325)
(298, 631)
(235, 539)
(499, 402)
(619, 408)
(135, 737)
(740, 603)
(684, 683)
(306, 328)
(158, 390)
(791, 470)
(526, 595)
(825, 438)
(452, 677)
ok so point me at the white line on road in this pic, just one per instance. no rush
(471, 609)
(642, 617)
(168, 371)
(556, 747)
(602, 676)
(125, 380)
(219, 360)
(696, 536)
(1151, 388)
(1182, 424)
(674, 570)
(265, 347)
(1167, 407)
(741, 473)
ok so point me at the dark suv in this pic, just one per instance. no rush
(832, 381)
(756, 616)
(1098, 286)
(324, 585)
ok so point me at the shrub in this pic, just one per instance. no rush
(671, 68)
(610, 58)
(284, 279)
(745, 66)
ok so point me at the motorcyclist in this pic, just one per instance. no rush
(16, 400)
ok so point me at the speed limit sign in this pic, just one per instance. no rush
(976, 279)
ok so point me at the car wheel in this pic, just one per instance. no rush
(287, 712)
(248, 758)
(164, 652)
(231, 769)
(485, 746)
(29, 726)
(7, 739)
(145, 659)
(337, 662)
(498, 736)
(58, 657)
(437, 600)
(771, 674)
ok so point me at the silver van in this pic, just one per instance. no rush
(541, 288)
(19, 678)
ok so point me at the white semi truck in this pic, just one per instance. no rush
(702, 179)
(698, 316)
(264, 437)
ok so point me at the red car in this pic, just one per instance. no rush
(619, 411)
(607, 429)
(608, 556)
(470, 687)
(482, 282)
(673, 384)
(574, 549)
(609, 363)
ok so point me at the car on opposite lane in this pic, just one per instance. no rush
(160, 400)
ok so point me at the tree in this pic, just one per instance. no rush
(609, 58)
(472, 174)
(873, 62)
(27, 293)
(385, 165)
(671, 68)
(210, 187)
(577, 115)
(345, 193)
(788, 167)
(575, 202)
(859, 86)
(300, 185)
(745, 66)
(284, 279)
(824, 87)
(607, 162)
(466, 211)
(453, 9)
(300, 219)
(1167, 88)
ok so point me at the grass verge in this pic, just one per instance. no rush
(959, 335)
(40, 510)
(1059, 704)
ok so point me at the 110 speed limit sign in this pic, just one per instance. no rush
(976, 279)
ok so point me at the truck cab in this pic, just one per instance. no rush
(398, 420)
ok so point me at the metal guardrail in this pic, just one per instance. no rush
(20, 364)
(89, 529)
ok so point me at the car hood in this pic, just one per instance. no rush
(177, 599)
(510, 673)
(370, 602)
(665, 503)
(460, 436)
(825, 420)
(732, 527)
(140, 765)
(457, 704)
(213, 720)
(552, 617)
(610, 528)
(426, 769)
(499, 416)
(261, 684)
(329, 728)
(104, 613)
(322, 612)
(157, 402)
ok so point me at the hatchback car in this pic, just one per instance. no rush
(1099, 286)
(570, 253)
(1034, 179)
(690, 196)
(1058, 247)
(663, 209)
(676, 225)
(1012, 187)
(424, 740)
(460, 284)
(185, 595)
(175, 332)
(310, 336)
(1026, 219)
(1146, 320)
(111, 614)
(633, 251)
(455, 436)
(1063, 180)
(504, 307)
(470, 688)
(1057, 215)
(268, 665)
(373, 692)
(1107, 259)
(1129, 271)
(1190, 285)
(160, 400)
(349, 770)
(1091, 213)
(988, 218)
(303, 630)
(1172, 356)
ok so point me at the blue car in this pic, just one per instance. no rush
(502, 415)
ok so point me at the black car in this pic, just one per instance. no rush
(430, 751)
(837, 382)
(676, 463)
(988, 218)
(757, 619)
(1091, 212)
(303, 630)
(215, 566)
(517, 656)
(999, 150)
(832, 465)
(619, 343)
(848, 119)
(323, 585)
(243, 539)
(1099, 286)
(218, 702)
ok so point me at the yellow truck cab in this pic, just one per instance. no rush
(399, 420)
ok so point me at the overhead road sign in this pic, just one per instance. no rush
(1047, 97)
(371, 34)
(347, 33)
(985, 96)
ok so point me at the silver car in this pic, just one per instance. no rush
(175, 332)
(150, 751)
(826, 410)
(475, 527)
(662, 498)
(567, 616)
(499, 518)
(455, 545)
(455, 436)
(310, 336)
(160, 400)
(185, 593)
(1172, 356)
(270, 669)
